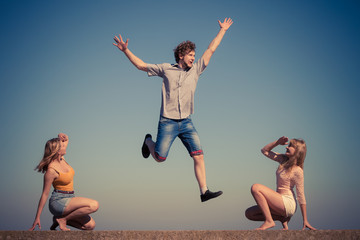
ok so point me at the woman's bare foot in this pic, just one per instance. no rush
(54, 225)
(285, 226)
(62, 224)
(266, 225)
(284, 223)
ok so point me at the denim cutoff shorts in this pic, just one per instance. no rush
(169, 129)
(58, 202)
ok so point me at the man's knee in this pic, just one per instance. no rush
(198, 159)
(158, 158)
(198, 156)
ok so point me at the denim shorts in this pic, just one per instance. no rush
(58, 202)
(169, 129)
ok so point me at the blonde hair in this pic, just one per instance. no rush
(299, 156)
(52, 148)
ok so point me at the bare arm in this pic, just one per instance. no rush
(298, 177)
(123, 46)
(266, 150)
(304, 214)
(49, 177)
(224, 26)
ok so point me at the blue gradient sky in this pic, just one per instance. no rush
(283, 68)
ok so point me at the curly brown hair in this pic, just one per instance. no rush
(183, 48)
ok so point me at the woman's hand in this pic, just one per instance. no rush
(63, 137)
(64, 140)
(282, 141)
(36, 222)
(307, 225)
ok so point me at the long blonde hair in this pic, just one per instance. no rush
(52, 148)
(299, 156)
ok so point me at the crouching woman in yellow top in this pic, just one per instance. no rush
(66, 208)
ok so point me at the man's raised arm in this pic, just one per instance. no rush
(224, 26)
(123, 46)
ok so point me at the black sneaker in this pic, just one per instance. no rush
(209, 195)
(144, 149)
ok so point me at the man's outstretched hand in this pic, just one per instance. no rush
(226, 24)
(120, 43)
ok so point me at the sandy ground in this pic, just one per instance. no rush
(208, 235)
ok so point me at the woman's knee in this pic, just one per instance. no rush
(255, 188)
(248, 214)
(89, 225)
(94, 205)
(254, 213)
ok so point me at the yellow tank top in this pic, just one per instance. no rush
(64, 181)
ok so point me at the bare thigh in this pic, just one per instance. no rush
(79, 202)
(273, 198)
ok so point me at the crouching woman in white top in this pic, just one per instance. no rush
(281, 204)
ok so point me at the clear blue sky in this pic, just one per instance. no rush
(283, 68)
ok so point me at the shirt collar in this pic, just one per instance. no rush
(178, 66)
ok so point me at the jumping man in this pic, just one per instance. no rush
(178, 89)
